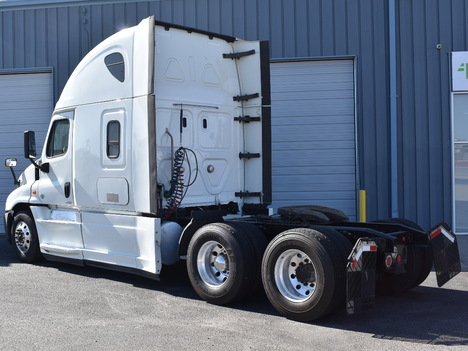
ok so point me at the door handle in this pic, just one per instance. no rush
(67, 189)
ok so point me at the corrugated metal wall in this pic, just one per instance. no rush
(59, 37)
(424, 104)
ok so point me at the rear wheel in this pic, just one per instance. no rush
(24, 236)
(417, 268)
(221, 263)
(303, 275)
(258, 243)
(428, 261)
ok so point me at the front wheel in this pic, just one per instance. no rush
(24, 236)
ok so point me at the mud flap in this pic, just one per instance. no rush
(360, 277)
(445, 250)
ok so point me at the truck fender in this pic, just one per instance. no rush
(170, 236)
(10, 215)
(7, 221)
(198, 220)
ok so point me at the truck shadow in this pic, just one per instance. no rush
(424, 315)
(7, 254)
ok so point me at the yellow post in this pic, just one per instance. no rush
(362, 206)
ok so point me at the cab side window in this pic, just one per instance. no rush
(57, 144)
(113, 139)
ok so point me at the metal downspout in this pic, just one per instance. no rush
(393, 108)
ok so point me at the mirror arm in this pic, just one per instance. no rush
(43, 167)
(15, 180)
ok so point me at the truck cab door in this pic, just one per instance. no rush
(55, 186)
(58, 223)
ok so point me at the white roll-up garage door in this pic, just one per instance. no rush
(26, 103)
(313, 134)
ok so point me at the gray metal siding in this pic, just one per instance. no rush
(424, 104)
(59, 37)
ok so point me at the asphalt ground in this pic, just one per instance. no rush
(56, 306)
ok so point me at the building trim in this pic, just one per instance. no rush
(313, 58)
(27, 70)
(8, 5)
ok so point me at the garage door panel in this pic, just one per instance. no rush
(341, 131)
(313, 145)
(27, 80)
(33, 102)
(20, 118)
(318, 157)
(318, 94)
(328, 107)
(313, 134)
(320, 170)
(337, 71)
(296, 85)
(295, 182)
(312, 119)
(324, 195)
(26, 102)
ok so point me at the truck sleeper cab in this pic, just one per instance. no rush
(159, 148)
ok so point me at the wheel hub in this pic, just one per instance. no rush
(305, 273)
(295, 275)
(213, 263)
(22, 237)
(220, 263)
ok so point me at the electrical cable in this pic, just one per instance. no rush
(178, 188)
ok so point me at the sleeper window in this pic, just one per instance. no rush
(116, 66)
(58, 139)
(113, 139)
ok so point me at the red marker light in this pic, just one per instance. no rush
(388, 261)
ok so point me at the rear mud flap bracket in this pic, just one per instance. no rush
(360, 277)
(445, 251)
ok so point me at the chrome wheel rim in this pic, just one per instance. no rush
(213, 263)
(295, 275)
(22, 237)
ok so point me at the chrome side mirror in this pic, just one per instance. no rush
(11, 162)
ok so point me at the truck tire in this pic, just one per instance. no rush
(418, 265)
(428, 261)
(313, 214)
(343, 244)
(422, 254)
(24, 236)
(221, 263)
(389, 284)
(303, 275)
(343, 250)
(258, 242)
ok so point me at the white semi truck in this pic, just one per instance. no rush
(159, 149)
